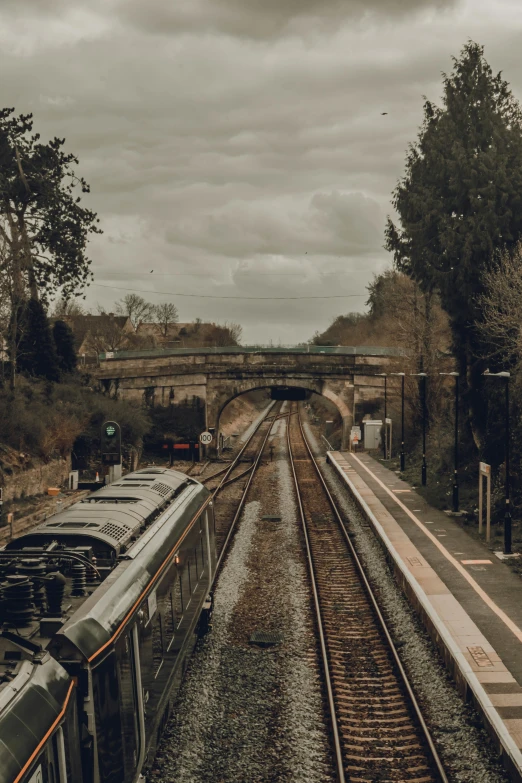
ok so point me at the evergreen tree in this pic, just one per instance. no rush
(64, 342)
(36, 353)
(460, 203)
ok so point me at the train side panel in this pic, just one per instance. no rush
(137, 678)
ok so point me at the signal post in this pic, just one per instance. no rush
(111, 449)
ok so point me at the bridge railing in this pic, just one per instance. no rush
(343, 350)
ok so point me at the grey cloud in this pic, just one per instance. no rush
(219, 157)
(261, 19)
(332, 224)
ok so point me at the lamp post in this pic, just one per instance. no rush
(424, 468)
(507, 513)
(403, 455)
(385, 440)
(456, 464)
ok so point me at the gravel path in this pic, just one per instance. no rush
(247, 714)
(463, 745)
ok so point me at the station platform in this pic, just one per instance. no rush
(468, 599)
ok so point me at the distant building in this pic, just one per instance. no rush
(175, 332)
(95, 334)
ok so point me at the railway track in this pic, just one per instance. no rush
(378, 730)
(243, 467)
(242, 463)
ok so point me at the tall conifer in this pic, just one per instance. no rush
(460, 202)
(64, 342)
(36, 353)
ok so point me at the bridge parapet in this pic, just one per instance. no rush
(217, 375)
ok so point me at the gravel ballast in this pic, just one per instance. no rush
(246, 713)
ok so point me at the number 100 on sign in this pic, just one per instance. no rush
(205, 438)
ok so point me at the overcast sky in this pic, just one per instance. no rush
(237, 147)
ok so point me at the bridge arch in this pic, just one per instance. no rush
(219, 398)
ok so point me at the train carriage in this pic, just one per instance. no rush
(137, 560)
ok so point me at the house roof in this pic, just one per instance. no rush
(81, 325)
(145, 328)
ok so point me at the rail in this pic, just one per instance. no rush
(242, 502)
(340, 570)
(229, 468)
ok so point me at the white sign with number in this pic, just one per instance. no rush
(205, 438)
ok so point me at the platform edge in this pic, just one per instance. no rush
(466, 681)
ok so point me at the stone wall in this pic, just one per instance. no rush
(35, 481)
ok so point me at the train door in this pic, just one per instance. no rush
(130, 704)
(118, 707)
(158, 623)
(109, 727)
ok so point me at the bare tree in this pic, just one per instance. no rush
(136, 308)
(67, 307)
(235, 331)
(5, 305)
(165, 314)
(105, 333)
(501, 307)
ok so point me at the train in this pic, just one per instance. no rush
(100, 609)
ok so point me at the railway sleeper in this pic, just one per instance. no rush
(423, 779)
(346, 719)
(368, 750)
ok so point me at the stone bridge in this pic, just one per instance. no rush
(345, 375)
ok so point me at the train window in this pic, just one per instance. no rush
(129, 702)
(170, 620)
(185, 583)
(177, 595)
(72, 750)
(157, 644)
(38, 775)
(108, 720)
(196, 569)
(202, 552)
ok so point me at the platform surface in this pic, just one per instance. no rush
(476, 596)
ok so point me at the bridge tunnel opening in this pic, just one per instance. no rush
(326, 414)
(289, 393)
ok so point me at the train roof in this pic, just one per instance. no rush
(32, 698)
(113, 515)
(94, 623)
(93, 593)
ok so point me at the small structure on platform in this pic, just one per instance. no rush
(372, 433)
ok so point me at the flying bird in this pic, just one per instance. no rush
(383, 113)
(151, 271)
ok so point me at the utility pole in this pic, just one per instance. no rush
(403, 454)
(507, 513)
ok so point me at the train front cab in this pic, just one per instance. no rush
(59, 758)
(48, 753)
(136, 678)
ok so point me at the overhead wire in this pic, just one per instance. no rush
(213, 296)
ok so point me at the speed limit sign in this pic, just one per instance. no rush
(205, 438)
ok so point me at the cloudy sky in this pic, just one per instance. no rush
(237, 147)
